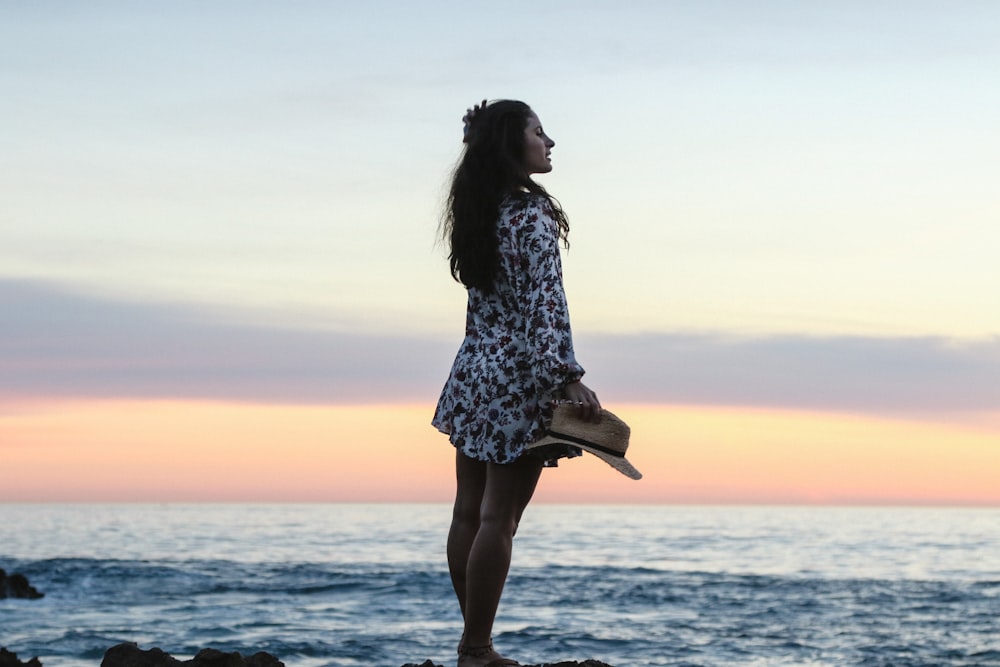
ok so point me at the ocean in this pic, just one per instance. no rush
(344, 585)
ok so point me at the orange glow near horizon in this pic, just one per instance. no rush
(162, 451)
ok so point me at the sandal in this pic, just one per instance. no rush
(486, 652)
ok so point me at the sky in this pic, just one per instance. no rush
(220, 276)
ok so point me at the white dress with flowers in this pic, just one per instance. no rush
(518, 349)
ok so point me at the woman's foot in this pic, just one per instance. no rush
(482, 656)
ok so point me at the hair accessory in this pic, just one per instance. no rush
(607, 439)
(470, 115)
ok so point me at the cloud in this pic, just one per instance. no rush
(57, 343)
(843, 373)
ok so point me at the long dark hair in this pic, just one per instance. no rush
(489, 170)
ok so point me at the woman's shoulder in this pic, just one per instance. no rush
(527, 220)
(523, 205)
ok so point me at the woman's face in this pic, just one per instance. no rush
(537, 147)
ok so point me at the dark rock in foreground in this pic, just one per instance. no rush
(568, 663)
(130, 655)
(9, 659)
(17, 586)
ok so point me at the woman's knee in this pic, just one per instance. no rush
(470, 486)
(466, 511)
(499, 520)
(501, 511)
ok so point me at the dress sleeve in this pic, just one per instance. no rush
(543, 301)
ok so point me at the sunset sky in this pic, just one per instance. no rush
(220, 280)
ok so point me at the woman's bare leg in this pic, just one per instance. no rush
(471, 484)
(508, 490)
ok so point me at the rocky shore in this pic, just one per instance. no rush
(568, 663)
(130, 655)
(9, 659)
(17, 586)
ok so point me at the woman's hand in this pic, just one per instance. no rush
(581, 395)
(470, 115)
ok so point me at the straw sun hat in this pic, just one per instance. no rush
(607, 440)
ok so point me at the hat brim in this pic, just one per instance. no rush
(614, 459)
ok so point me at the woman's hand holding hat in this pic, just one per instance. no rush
(580, 394)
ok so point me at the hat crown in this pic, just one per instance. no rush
(611, 433)
(607, 439)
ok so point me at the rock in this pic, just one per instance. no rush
(209, 657)
(130, 655)
(568, 663)
(17, 586)
(9, 659)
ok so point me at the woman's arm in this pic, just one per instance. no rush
(546, 314)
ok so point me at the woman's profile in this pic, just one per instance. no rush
(516, 361)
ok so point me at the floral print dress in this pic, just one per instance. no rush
(518, 349)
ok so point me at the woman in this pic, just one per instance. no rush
(517, 358)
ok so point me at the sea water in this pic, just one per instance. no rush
(367, 585)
